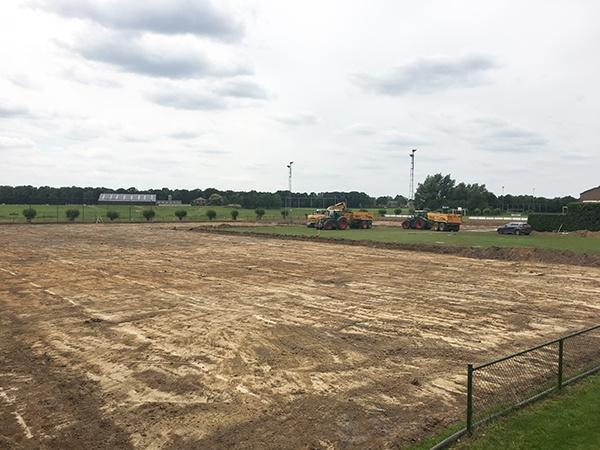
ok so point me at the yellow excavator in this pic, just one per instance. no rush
(312, 219)
(339, 217)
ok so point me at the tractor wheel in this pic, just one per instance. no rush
(342, 223)
(364, 224)
(419, 224)
(436, 226)
(406, 224)
(518, 232)
(442, 226)
(328, 225)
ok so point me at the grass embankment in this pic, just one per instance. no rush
(461, 239)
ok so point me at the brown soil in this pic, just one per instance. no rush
(142, 336)
(498, 253)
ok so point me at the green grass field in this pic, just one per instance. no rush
(461, 239)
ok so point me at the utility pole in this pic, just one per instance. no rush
(412, 176)
(502, 199)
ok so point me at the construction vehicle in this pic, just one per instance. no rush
(436, 221)
(312, 219)
(339, 217)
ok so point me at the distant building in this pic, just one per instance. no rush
(126, 199)
(200, 201)
(169, 201)
(590, 196)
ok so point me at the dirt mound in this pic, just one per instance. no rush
(498, 253)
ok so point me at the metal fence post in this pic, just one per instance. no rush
(560, 363)
(469, 398)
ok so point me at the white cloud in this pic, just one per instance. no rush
(101, 86)
(298, 118)
(15, 143)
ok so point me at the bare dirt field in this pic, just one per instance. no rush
(116, 336)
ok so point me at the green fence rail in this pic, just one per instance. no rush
(498, 387)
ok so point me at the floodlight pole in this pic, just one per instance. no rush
(289, 166)
(412, 176)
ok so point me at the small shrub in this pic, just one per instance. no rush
(497, 212)
(382, 212)
(234, 214)
(72, 214)
(29, 214)
(487, 211)
(285, 213)
(476, 212)
(112, 215)
(148, 214)
(181, 213)
(259, 213)
(211, 214)
(398, 211)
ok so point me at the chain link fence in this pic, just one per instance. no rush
(497, 387)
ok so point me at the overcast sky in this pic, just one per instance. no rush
(192, 93)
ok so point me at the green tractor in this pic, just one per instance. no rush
(333, 220)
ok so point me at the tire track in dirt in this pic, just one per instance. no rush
(220, 341)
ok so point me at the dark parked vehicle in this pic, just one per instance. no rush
(515, 228)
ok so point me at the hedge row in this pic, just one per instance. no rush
(579, 216)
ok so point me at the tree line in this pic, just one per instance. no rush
(435, 192)
(73, 195)
(442, 191)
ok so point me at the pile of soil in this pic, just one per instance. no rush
(497, 253)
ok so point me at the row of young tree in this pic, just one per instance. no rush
(435, 192)
(72, 214)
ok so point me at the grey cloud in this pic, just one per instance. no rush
(298, 119)
(184, 135)
(428, 75)
(189, 100)
(243, 88)
(8, 110)
(198, 17)
(499, 136)
(496, 135)
(132, 54)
